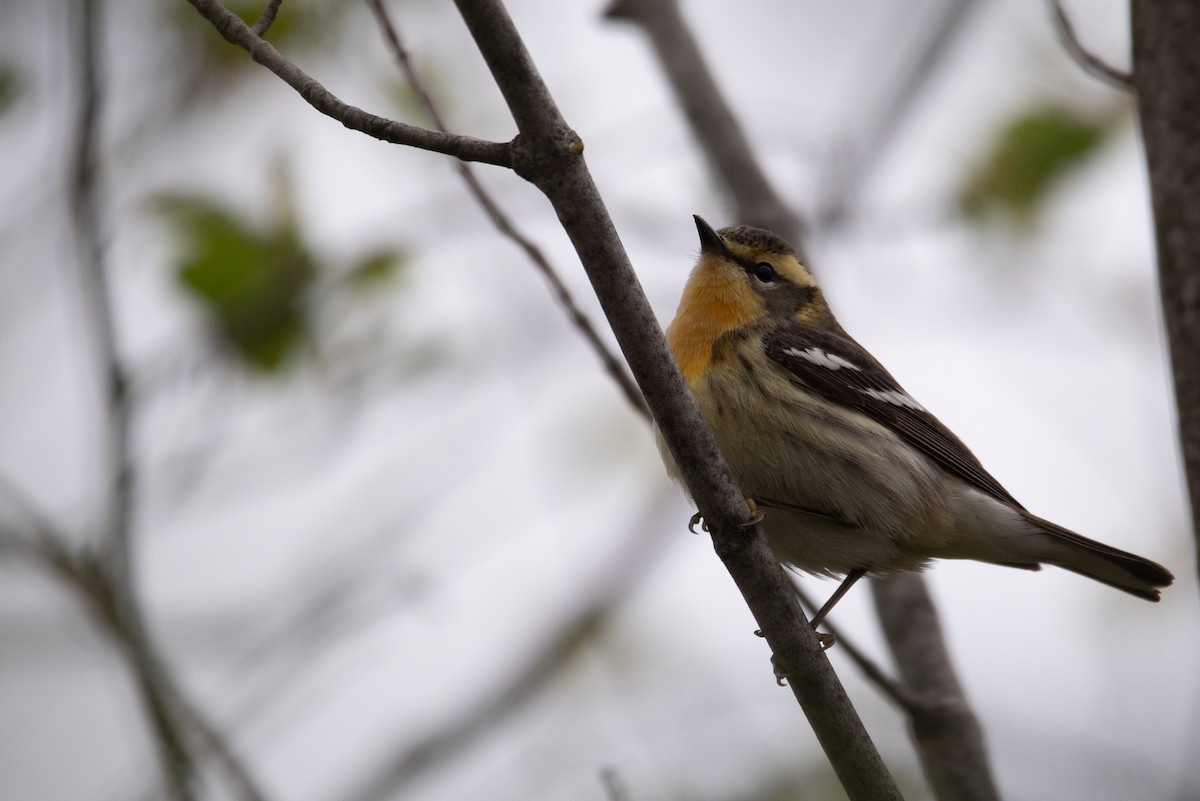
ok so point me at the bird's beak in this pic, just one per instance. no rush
(710, 240)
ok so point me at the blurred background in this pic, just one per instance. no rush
(395, 532)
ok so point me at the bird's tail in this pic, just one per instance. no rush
(1112, 566)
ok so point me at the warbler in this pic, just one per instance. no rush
(852, 475)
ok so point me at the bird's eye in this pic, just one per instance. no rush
(764, 272)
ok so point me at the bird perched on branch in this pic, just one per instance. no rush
(852, 475)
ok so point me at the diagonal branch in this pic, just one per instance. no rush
(230, 26)
(505, 224)
(549, 154)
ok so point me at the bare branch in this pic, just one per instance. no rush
(712, 121)
(507, 227)
(267, 18)
(230, 26)
(549, 154)
(1088, 61)
(657, 15)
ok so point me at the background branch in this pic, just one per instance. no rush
(109, 584)
(947, 733)
(965, 754)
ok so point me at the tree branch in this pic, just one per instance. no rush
(230, 26)
(109, 581)
(1167, 64)
(713, 123)
(549, 154)
(1089, 62)
(949, 738)
(507, 227)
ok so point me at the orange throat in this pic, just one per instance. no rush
(712, 305)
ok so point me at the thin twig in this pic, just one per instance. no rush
(612, 365)
(1088, 61)
(266, 19)
(237, 32)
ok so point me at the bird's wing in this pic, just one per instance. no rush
(833, 365)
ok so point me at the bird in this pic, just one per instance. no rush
(846, 472)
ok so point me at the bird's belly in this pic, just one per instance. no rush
(879, 503)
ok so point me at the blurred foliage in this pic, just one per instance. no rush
(1025, 159)
(374, 269)
(10, 87)
(260, 285)
(253, 283)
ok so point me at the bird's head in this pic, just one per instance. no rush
(745, 277)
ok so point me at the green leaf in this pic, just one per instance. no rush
(253, 284)
(1025, 160)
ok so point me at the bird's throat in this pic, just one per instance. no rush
(712, 305)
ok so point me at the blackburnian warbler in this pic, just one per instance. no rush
(853, 475)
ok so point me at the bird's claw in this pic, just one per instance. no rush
(756, 515)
